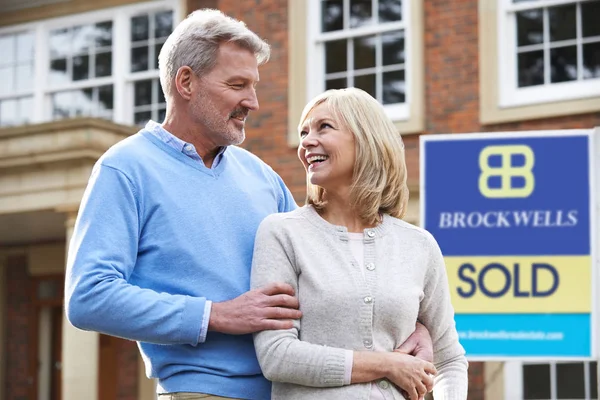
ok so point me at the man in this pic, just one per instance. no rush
(162, 246)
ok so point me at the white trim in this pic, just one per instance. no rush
(513, 380)
(510, 95)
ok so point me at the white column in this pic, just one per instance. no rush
(80, 353)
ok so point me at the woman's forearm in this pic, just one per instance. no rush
(368, 366)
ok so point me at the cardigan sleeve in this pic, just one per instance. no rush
(437, 314)
(283, 357)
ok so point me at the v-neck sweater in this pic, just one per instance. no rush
(157, 235)
(344, 308)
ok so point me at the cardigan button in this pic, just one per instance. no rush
(371, 233)
(368, 344)
(368, 300)
(384, 384)
(370, 266)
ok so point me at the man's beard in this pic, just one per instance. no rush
(208, 115)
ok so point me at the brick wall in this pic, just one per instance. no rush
(127, 365)
(267, 128)
(19, 312)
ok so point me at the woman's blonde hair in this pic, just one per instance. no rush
(379, 176)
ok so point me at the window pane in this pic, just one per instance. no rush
(335, 56)
(531, 68)
(161, 115)
(364, 52)
(83, 39)
(25, 110)
(394, 87)
(24, 47)
(563, 64)
(563, 23)
(530, 27)
(61, 104)
(157, 48)
(590, 10)
(141, 118)
(570, 381)
(332, 15)
(594, 380)
(390, 10)
(105, 98)
(60, 43)
(591, 60)
(81, 68)
(83, 103)
(7, 49)
(143, 93)
(360, 13)
(163, 24)
(24, 77)
(393, 47)
(8, 113)
(103, 64)
(366, 83)
(336, 84)
(139, 59)
(161, 95)
(6, 80)
(58, 71)
(536, 382)
(104, 34)
(139, 28)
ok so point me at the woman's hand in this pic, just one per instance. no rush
(411, 374)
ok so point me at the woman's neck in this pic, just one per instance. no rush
(339, 211)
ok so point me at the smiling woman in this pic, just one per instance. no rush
(363, 277)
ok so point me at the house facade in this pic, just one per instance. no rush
(78, 76)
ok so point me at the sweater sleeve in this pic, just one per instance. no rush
(283, 357)
(101, 258)
(437, 314)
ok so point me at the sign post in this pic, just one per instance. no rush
(516, 216)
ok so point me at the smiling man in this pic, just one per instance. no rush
(162, 247)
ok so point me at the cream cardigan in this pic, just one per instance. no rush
(404, 280)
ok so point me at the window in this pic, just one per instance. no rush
(551, 381)
(16, 78)
(365, 44)
(100, 64)
(148, 34)
(551, 51)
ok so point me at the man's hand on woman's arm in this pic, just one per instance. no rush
(418, 344)
(271, 307)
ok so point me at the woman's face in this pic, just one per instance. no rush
(326, 150)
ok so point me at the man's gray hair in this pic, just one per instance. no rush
(195, 43)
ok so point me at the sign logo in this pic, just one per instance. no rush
(506, 171)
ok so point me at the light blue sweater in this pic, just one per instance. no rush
(157, 235)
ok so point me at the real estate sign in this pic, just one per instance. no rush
(514, 215)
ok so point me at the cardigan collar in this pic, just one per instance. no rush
(370, 234)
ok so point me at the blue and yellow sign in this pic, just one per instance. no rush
(511, 213)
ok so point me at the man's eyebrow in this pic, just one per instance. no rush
(241, 78)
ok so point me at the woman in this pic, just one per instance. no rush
(362, 275)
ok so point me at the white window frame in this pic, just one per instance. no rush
(316, 61)
(513, 377)
(121, 78)
(509, 92)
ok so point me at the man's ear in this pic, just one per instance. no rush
(184, 82)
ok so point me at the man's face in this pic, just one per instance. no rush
(226, 94)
